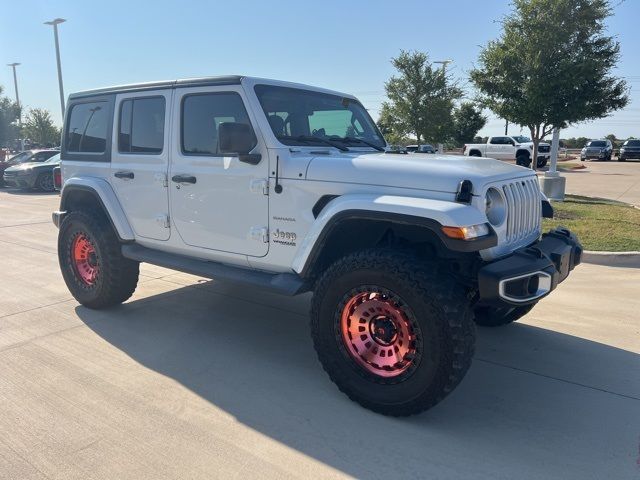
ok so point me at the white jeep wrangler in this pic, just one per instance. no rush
(287, 187)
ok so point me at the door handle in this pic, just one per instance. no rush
(128, 175)
(184, 179)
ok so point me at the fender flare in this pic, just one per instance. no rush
(427, 213)
(104, 194)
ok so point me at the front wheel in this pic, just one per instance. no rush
(523, 161)
(395, 335)
(92, 265)
(541, 162)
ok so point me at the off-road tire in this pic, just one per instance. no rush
(440, 310)
(496, 317)
(44, 182)
(117, 276)
(523, 160)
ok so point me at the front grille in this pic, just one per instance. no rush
(524, 208)
(544, 148)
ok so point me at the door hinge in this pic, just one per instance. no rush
(163, 221)
(162, 179)
(261, 234)
(260, 186)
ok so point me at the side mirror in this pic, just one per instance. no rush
(238, 139)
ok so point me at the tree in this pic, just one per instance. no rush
(467, 121)
(552, 66)
(420, 98)
(9, 114)
(39, 128)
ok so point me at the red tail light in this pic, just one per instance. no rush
(464, 149)
(57, 178)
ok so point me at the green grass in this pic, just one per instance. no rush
(601, 225)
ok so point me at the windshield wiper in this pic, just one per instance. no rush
(359, 140)
(311, 138)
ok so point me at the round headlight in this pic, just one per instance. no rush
(495, 207)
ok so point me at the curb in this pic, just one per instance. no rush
(612, 259)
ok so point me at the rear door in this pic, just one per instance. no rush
(139, 160)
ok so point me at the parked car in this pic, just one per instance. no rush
(426, 148)
(288, 187)
(629, 149)
(397, 149)
(26, 156)
(32, 174)
(516, 148)
(597, 150)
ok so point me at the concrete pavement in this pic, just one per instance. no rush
(197, 379)
(614, 180)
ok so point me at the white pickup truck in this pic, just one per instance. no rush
(516, 148)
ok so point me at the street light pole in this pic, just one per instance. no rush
(15, 84)
(55, 23)
(444, 65)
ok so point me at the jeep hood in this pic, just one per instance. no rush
(441, 173)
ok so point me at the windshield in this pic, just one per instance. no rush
(21, 157)
(54, 159)
(632, 143)
(597, 143)
(521, 139)
(304, 117)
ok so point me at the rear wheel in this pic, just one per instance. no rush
(475, 153)
(391, 332)
(92, 265)
(45, 182)
(622, 159)
(495, 317)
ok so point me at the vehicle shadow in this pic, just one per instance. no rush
(535, 401)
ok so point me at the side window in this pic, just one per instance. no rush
(141, 125)
(498, 141)
(87, 128)
(202, 114)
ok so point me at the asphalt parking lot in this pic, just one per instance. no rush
(196, 379)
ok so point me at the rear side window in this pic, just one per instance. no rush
(87, 128)
(202, 114)
(141, 126)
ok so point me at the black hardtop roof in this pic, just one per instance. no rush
(188, 82)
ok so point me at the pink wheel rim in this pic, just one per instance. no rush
(378, 334)
(83, 256)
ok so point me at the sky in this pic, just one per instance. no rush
(345, 46)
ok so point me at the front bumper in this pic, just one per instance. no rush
(20, 181)
(530, 273)
(627, 154)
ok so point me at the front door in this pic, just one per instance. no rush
(217, 201)
(139, 160)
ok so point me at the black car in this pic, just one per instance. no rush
(33, 174)
(24, 157)
(629, 149)
(597, 150)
